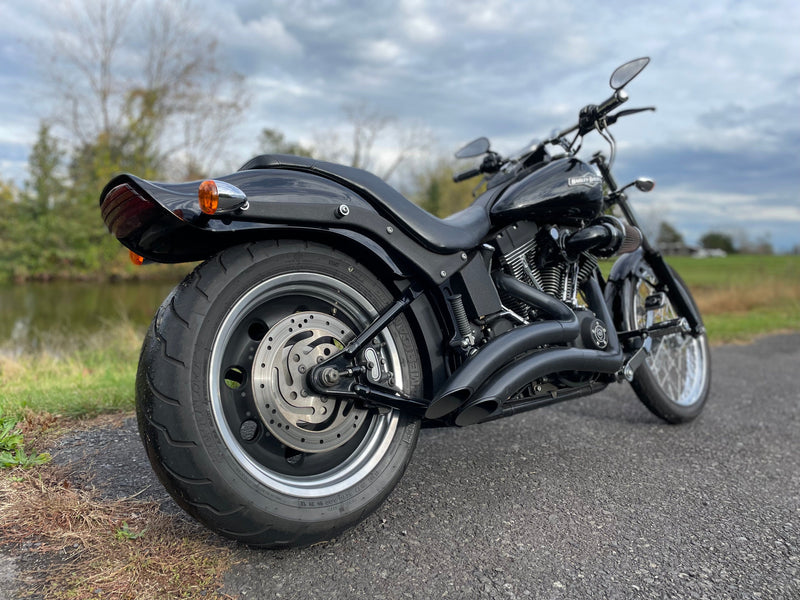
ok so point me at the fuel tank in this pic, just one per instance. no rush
(564, 191)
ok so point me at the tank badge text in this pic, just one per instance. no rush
(587, 180)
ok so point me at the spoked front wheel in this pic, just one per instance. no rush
(230, 425)
(674, 380)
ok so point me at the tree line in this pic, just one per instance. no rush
(738, 242)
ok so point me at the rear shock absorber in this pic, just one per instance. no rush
(462, 322)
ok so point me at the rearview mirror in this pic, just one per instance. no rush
(474, 148)
(624, 74)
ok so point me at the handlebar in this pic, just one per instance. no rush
(618, 98)
(491, 164)
(591, 114)
(589, 118)
(467, 174)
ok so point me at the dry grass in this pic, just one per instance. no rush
(742, 298)
(95, 548)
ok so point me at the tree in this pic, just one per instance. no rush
(378, 142)
(144, 76)
(668, 235)
(272, 141)
(439, 194)
(140, 88)
(45, 188)
(746, 245)
(718, 240)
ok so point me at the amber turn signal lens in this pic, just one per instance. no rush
(136, 259)
(208, 196)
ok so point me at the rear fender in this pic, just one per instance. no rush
(164, 223)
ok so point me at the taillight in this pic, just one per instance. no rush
(125, 210)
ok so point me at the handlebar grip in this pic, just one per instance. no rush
(617, 99)
(466, 175)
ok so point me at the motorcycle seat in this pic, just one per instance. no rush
(464, 229)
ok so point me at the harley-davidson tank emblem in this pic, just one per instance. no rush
(587, 180)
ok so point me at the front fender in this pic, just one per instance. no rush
(645, 264)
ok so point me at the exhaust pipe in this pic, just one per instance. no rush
(501, 385)
(463, 383)
(494, 355)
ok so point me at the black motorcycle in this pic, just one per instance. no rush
(282, 385)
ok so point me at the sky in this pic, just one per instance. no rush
(723, 145)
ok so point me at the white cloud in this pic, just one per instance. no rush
(269, 33)
(417, 24)
(723, 77)
(382, 51)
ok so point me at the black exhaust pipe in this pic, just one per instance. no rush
(494, 355)
(501, 385)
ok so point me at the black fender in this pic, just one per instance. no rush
(639, 263)
(164, 223)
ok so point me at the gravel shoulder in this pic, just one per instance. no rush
(592, 498)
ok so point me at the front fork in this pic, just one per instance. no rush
(677, 294)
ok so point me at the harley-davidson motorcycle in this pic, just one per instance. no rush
(282, 385)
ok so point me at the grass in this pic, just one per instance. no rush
(73, 377)
(12, 447)
(741, 297)
(88, 547)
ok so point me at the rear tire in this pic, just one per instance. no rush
(675, 379)
(227, 423)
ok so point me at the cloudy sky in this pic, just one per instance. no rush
(723, 146)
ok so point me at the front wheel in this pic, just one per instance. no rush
(675, 378)
(229, 424)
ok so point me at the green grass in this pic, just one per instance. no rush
(741, 297)
(73, 377)
(737, 270)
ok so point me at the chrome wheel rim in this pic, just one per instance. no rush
(677, 361)
(232, 358)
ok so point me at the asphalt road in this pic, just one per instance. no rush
(594, 498)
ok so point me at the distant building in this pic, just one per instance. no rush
(681, 249)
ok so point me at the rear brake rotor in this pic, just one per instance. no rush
(290, 411)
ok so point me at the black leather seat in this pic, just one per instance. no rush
(464, 229)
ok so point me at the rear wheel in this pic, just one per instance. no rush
(674, 380)
(230, 426)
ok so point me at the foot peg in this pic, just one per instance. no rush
(656, 301)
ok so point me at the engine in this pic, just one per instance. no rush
(557, 260)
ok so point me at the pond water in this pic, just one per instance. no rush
(32, 312)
